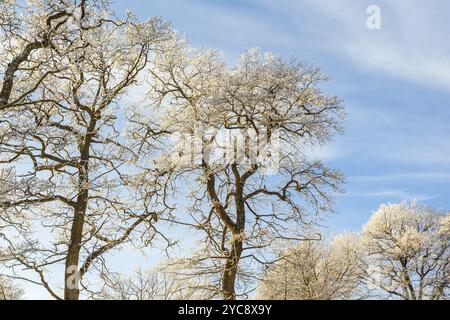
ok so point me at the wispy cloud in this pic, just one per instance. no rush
(412, 44)
(394, 194)
(419, 176)
(227, 26)
(409, 134)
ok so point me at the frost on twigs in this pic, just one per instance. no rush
(407, 244)
(245, 133)
(76, 179)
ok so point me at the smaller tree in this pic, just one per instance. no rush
(315, 270)
(407, 253)
(160, 283)
(8, 290)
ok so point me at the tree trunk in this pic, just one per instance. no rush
(230, 271)
(71, 279)
(72, 274)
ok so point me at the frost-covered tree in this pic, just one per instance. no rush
(144, 285)
(30, 33)
(407, 251)
(159, 283)
(316, 270)
(72, 186)
(268, 114)
(9, 291)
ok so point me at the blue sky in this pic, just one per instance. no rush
(395, 83)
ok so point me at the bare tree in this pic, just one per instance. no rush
(30, 34)
(159, 283)
(401, 253)
(71, 174)
(247, 197)
(9, 291)
(316, 270)
(407, 252)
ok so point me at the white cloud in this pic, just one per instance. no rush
(412, 44)
(420, 176)
(397, 194)
(229, 28)
(326, 152)
(410, 134)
